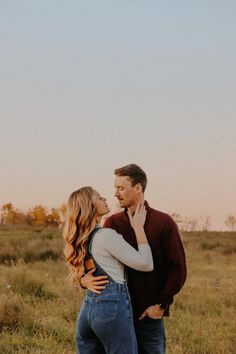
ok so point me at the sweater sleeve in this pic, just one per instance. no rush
(176, 262)
(140, 259)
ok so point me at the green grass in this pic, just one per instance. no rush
(202, 319)
(38, 305)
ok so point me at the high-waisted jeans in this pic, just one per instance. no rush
(105, 322)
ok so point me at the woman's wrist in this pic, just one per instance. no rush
(141, 236)
(139, 230)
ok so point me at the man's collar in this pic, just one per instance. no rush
(145, 203)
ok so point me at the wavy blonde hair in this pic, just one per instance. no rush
(81, 219)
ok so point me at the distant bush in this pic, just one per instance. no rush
(229, 250)
(13, 311)
(209, 245)
(26, 283)
(29, 244)
(222, 242)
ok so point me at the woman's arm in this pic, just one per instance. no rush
(137, 222)
(140, 260)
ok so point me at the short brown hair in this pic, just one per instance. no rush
(135, 173)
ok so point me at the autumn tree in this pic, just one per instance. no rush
(53, 217)
(178, 219)
(190, 224)
(231, 222)
(193, 224)
(205, 222)
(9, 215)
(37, 215)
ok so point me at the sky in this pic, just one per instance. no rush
(89, 86)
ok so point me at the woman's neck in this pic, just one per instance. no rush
(98, 219)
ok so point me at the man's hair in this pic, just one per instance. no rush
(135, 173)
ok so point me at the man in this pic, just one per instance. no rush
(151, 293)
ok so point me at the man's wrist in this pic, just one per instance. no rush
(163, 306)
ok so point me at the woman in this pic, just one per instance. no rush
(105, 323)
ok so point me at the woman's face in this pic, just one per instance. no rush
(101, 205)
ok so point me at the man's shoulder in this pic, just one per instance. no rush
(162, 219)
(160, 214)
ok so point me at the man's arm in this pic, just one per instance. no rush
(175, 261)
(175, 274)
(154, 311)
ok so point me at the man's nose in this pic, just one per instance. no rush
(116, 193)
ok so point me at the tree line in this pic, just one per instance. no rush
(39, 215)
(203, 223)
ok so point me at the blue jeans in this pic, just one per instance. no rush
(105, 322)
(150, 336)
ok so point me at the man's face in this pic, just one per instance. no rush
(125, 193)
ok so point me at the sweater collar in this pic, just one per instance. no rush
(145, 203)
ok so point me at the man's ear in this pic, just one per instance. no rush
(138, 188)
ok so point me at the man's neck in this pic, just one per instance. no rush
(132, 207)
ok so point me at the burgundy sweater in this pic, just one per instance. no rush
(169, 274)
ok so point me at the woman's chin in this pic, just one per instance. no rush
(106, 212)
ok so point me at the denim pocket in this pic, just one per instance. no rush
(106, 309)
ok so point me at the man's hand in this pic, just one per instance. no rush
(153, 312)
(93, 283)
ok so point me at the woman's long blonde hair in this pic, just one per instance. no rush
(81, 219)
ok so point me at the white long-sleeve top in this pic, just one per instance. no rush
(112, 252)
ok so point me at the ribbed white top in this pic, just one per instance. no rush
(112, 252)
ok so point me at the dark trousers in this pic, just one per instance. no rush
(150, 336)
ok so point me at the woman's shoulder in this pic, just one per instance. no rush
(107, 231)
(108, 234)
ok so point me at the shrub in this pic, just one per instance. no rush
(27, 283)
(13, 311)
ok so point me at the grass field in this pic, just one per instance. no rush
(38, 306)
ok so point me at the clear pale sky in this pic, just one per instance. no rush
(88, 86)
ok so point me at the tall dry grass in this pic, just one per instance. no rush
(38, 306)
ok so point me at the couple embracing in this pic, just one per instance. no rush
(131, 267)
